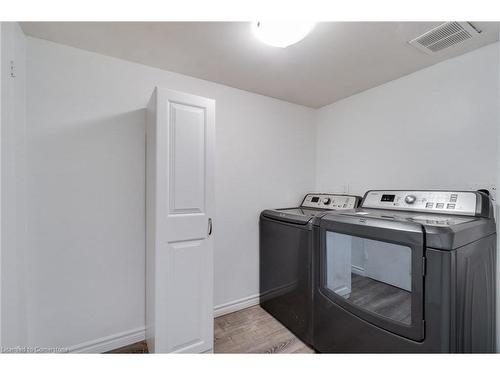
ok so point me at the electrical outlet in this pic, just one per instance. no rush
(12, 69)
(493, 193)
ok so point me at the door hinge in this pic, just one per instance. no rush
(210, 227)
(12, 69)
(424, 266)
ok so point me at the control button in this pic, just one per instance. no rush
(410, 199)
(439, 205)
(450, 206)
(326, 201)
(429, 204)
(453, 198)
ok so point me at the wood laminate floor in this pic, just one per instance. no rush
(251, 330)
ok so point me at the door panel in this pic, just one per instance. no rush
(187, 159)
(188, 320)
(180, 249)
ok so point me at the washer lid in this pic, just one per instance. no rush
(296, 215)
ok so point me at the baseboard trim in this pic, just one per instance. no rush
(233, 306)
(105, 344)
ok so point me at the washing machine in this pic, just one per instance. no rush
(288, 237)
(408, 271)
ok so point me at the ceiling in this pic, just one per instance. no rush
(336, 60)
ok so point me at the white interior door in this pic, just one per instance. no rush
(181, 131)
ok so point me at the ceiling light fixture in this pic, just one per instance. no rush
(283, 33)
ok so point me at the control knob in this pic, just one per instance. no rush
(326, 200)
(410, 199)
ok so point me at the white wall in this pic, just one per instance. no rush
(85, 140)
(13, 198)
(432, 129)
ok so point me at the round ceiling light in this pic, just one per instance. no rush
(281, 34)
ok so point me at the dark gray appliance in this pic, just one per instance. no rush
(287, 240)
(408, 271)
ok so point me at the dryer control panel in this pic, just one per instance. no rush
(449, 202)
(330, 201)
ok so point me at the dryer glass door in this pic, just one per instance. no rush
(372, 275)
(374, 269)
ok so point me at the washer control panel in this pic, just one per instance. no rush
(450, 202)
(330, 201)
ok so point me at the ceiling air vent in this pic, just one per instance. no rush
(446, 35)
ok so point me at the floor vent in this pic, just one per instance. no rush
(443, 36)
